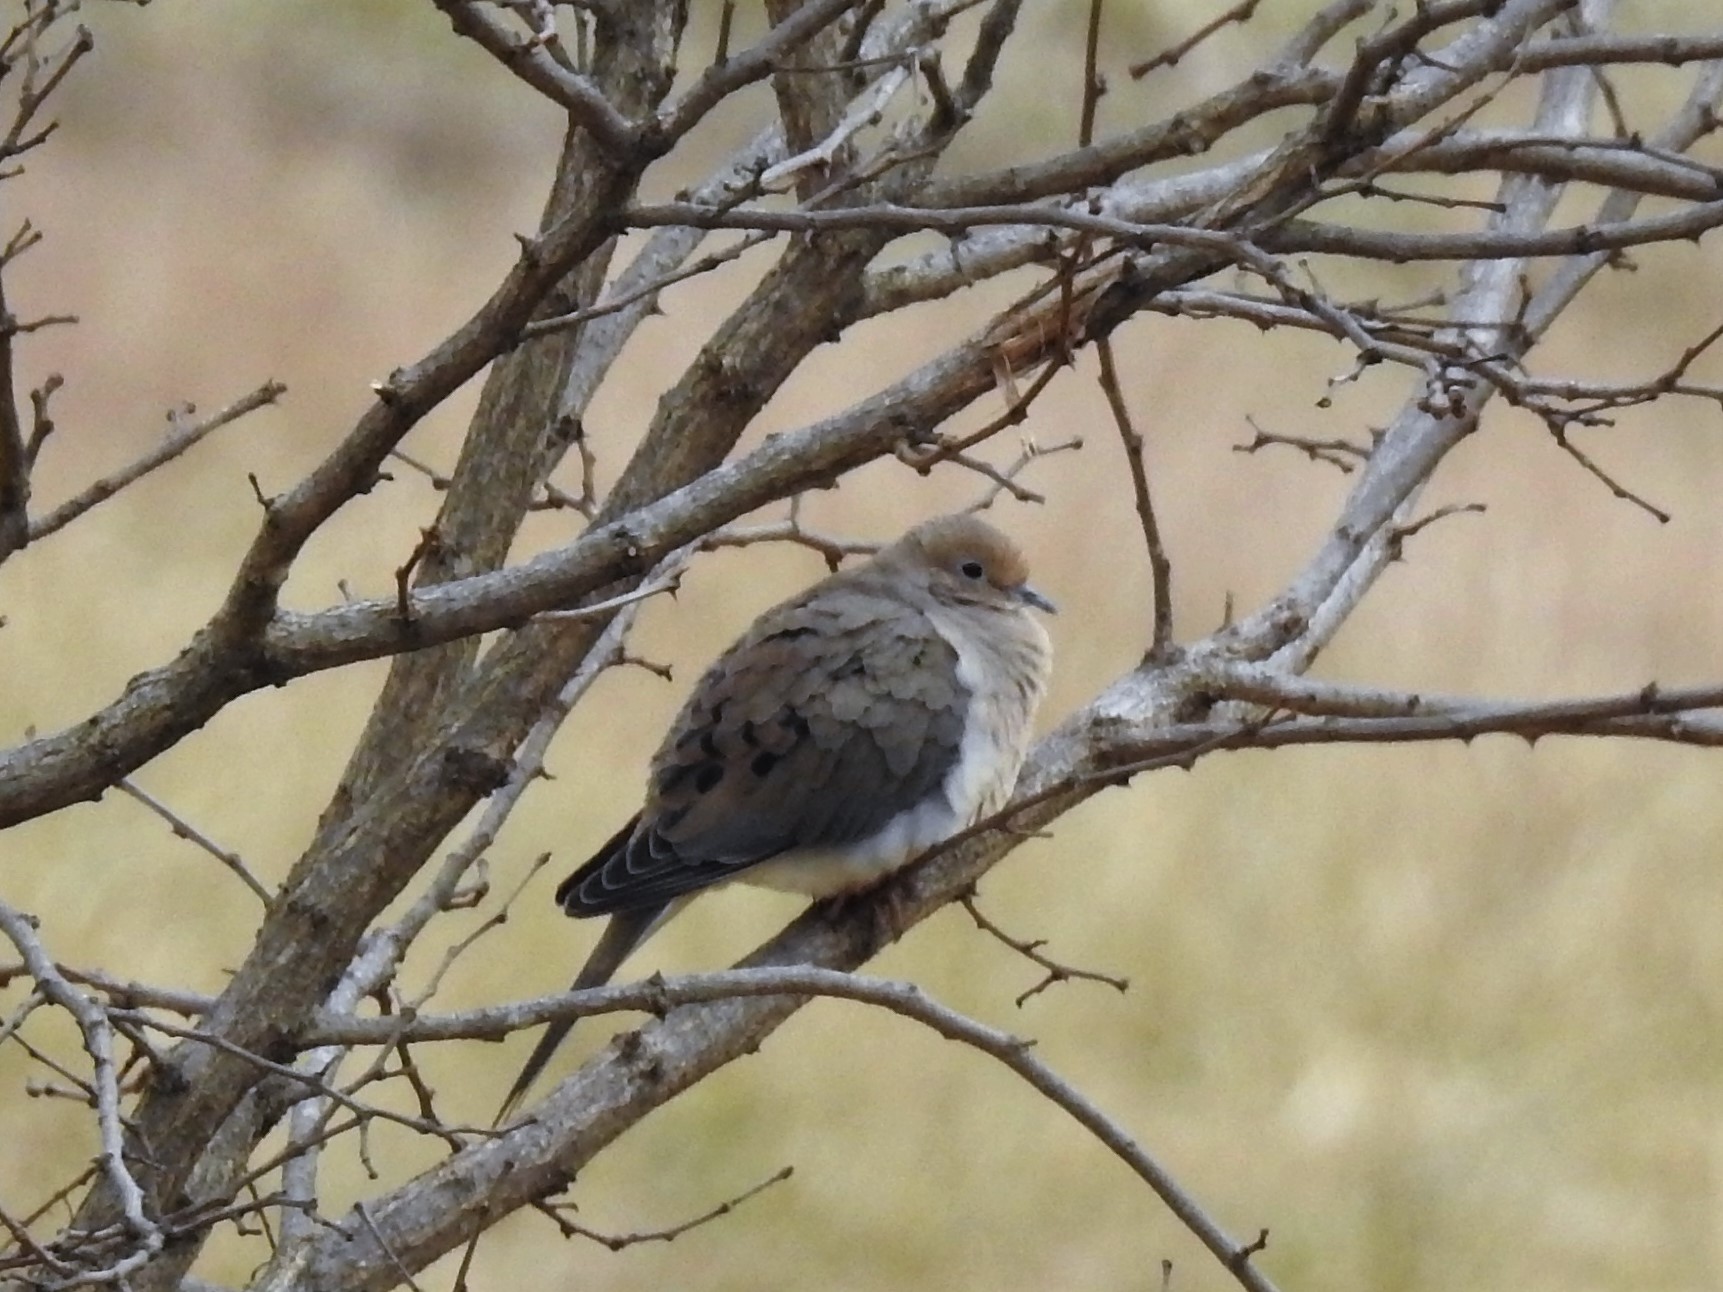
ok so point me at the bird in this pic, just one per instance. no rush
(854, 726)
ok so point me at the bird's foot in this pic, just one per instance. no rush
(885, 904)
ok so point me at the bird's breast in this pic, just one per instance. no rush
(1004, 676)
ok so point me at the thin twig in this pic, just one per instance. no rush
(1565, 443)
(1160, 568)
(1031, 951)
(1032, 451)
(21, 1235)
(597, 609)
(1093, 86)
(187, 831)
(1169, 57)
(1343, 455)
(616, 1242)
(183, 436)
(834, 550)
(1013, 1052)
(312, 1085)
(98, 1034)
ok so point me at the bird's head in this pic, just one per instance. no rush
(961, 560)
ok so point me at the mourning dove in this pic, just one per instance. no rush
(853, 727)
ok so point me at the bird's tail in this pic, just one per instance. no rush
(625, 931)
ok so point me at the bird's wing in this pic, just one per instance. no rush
(834, 714)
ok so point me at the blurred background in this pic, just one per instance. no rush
(1440, 1016)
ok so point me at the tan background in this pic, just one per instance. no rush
(1438, 1017)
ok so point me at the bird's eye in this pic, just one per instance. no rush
(972, 569)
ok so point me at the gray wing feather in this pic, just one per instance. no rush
(836, 712)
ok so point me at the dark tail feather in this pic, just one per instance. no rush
(625, 931)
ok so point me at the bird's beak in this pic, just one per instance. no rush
(1029, 597)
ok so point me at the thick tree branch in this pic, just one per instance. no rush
(529, 59)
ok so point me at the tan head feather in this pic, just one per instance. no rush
(963, 558)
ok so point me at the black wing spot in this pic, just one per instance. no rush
(763, 762)
(707, 778)
(798, 725)
(701, 732)
(749, 736)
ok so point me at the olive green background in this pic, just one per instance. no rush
(1438, 1017)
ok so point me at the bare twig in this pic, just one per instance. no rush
(1030, 950)
(1343, 455)
(185, 830)
(1293, 236)
(98, 1034)
(647, 292)
(1240, 13)
(1160, 568)
(1032, 451)
(31, 1248)
(535, 64)
(182, 436)
(1093, 86)
(616, 1242)
(666, 583)
(1615, 487)
(911, 1002)
(790, 530)
(864, 112)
